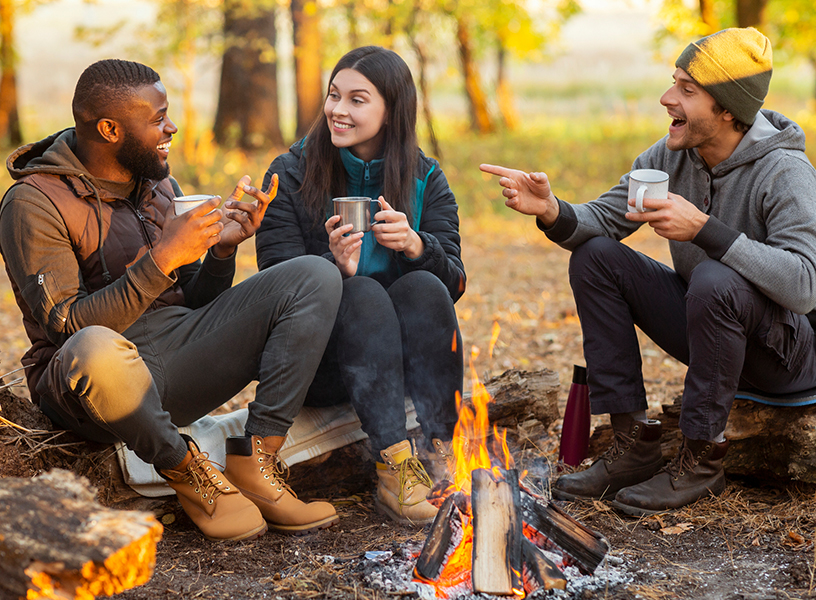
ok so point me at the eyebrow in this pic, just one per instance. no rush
(361, 90)
(161, 111)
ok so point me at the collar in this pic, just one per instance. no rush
(358, 170)
(760, 130)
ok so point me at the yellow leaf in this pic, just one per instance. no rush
(677, 529)
(600, 506)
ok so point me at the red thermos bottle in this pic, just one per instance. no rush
(575, 431)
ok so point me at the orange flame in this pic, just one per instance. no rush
(493, 338)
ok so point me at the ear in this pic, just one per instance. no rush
(110, 130)
(727, 116)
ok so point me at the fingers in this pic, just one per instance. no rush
(239, 190)
(272, 189)
(497, 170)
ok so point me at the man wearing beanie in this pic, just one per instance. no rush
(741, 223)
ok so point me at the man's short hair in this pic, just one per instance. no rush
(106, 83)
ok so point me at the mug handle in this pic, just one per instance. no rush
(639, 198)
(373, 211)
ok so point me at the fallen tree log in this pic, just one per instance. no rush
(764, 441)
(57, 541)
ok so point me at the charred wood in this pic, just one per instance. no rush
(551, 528)
(445, 534)
(540, 571)
(497, 533)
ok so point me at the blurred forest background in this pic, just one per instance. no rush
(566, 86)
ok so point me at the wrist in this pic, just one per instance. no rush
(415, 248)
(222, 251)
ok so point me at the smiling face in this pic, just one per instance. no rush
(147, 134)
(695, 124)
(355, 112)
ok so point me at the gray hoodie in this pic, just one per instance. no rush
(762, 204)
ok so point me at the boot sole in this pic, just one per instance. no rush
(244, 537)
(304, 529)
(636, 511)
(383, 509)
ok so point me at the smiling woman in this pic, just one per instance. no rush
(396, 330)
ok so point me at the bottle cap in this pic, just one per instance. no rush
(579, 375)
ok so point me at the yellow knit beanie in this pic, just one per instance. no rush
(733, 65)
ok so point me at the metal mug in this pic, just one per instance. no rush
(357, 210)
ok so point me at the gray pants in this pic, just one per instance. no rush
(175, 364)
(729, 334)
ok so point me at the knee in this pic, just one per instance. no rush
(364, 298)
(96, 355)
(591, 256)
(713, 281)
(419, 288)
(318, 276)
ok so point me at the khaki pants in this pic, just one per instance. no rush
(175, 364)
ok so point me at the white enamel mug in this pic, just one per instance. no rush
(647, 183)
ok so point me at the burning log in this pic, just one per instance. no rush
(57, 541)
(539, 571)
(444, 537)
(553, 529)
(497, 533)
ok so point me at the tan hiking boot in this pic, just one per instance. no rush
(214, 504)
(403, 486)
(253, 465)
(440, 461)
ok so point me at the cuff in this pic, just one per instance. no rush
(432, 253)
(219, 267)
(149, 277)
(715, 238)
(564, 226)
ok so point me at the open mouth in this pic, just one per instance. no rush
(678, 122)
(165, 147)
(338, 125)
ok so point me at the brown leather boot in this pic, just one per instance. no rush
(403, 486)
(633, 457)
(253, 465)
(214, 504)
(439, 460)
(696, 472)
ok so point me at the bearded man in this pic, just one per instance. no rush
(132, 335)
(741, 225)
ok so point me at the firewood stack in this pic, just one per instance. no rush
(58, 542)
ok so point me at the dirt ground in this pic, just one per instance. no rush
(754, 542)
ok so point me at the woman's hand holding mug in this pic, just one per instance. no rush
(393, 231)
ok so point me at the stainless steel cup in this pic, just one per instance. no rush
(357, 210)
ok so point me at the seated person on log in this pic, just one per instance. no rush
(741, 225)
(132, 335)
(396, 330)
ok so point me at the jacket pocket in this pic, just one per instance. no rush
(40, 294)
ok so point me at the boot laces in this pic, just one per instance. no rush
(682, 463)
(411, 473)
(277, 470)
(621, 443)
(200, 473)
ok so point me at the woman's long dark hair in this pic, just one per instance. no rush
(325, 176)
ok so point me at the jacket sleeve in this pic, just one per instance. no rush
(40, 257)
(783, 265)
(280, 237)
(439, 230)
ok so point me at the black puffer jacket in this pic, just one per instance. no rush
(288, 231)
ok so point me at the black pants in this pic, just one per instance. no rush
(729, 334)
(386, 343)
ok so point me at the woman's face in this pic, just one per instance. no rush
(355, 112)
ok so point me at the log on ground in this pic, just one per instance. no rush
(57, 541)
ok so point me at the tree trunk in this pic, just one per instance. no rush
(708, 16)
(424, 94)
(308, 75)
(248, 96)
(9, 118)
(480, 120)
(750, 12)
(504, 93)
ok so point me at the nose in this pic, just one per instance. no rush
(169, 126)
(668, 97)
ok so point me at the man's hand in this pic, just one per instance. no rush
(674, 219)
(187, 236)
(527, 193)
(344, 248)
(395, 233)
(244, 217)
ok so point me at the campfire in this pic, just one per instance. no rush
(492, 534)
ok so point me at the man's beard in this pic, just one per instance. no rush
(141, 160)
